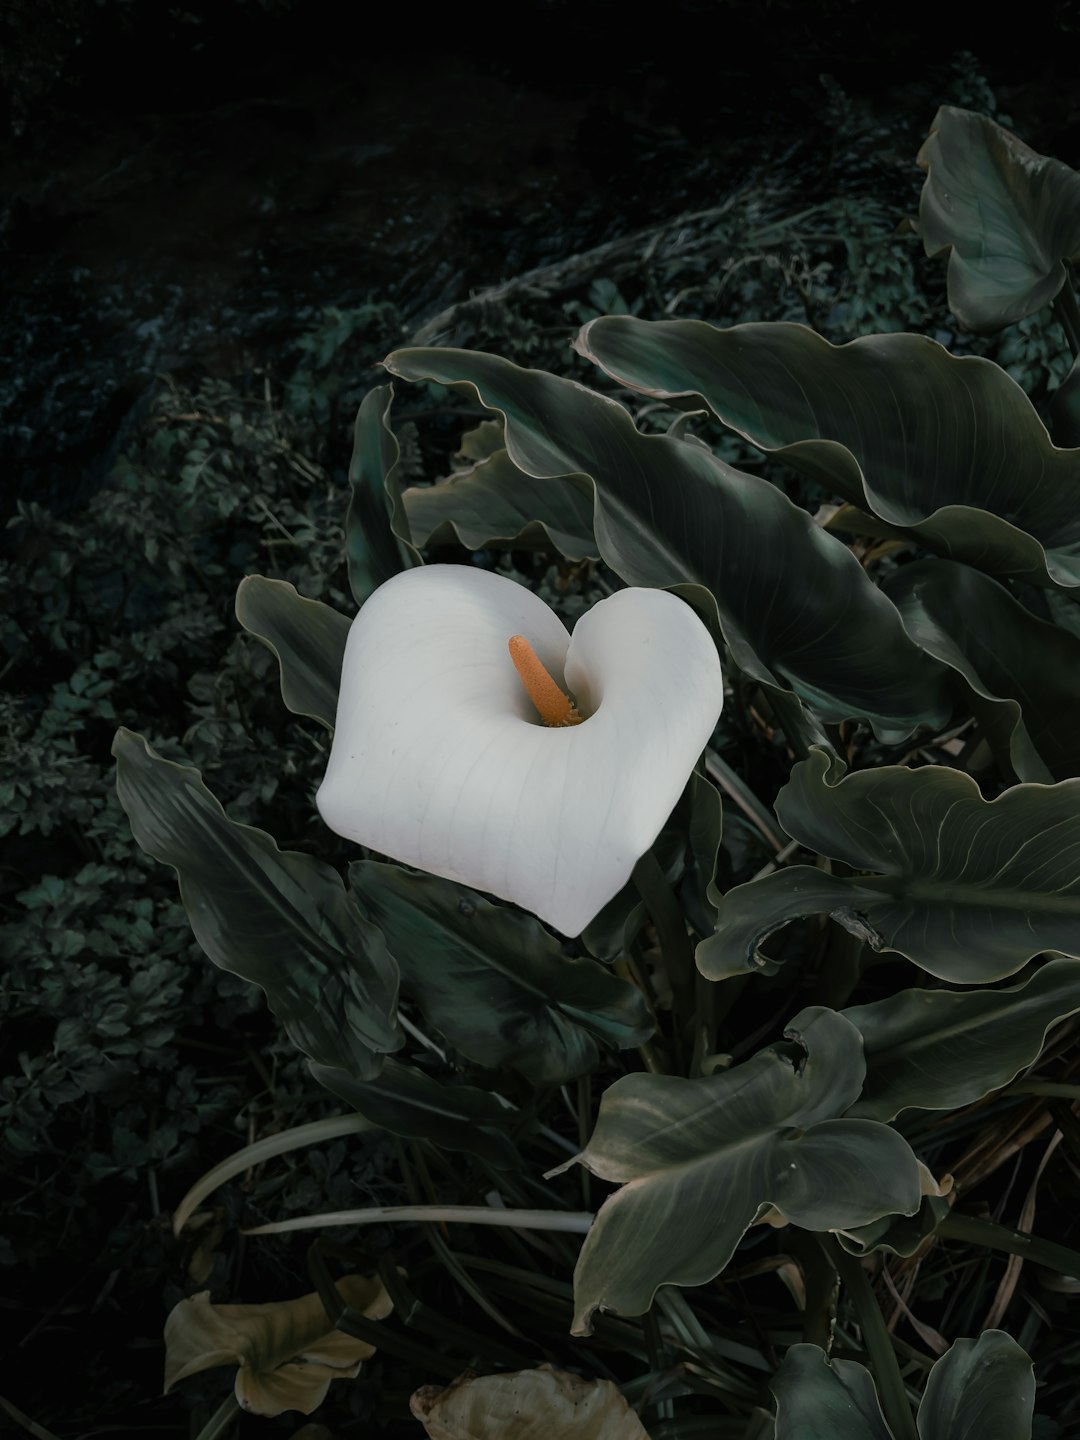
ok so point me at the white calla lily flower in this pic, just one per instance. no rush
(441, 760)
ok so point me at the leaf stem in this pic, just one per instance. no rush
(1067, 314)
(585, 1124)
(894, 1400)
(575, 1221)
(841, 967)
(706, 1023)
(1013, 1242)
(737, 790)
(820, 1282)
(332, 1128)
(666, 914)
(30, 1426)
(1059, 1089)
(629, 966)
(222, 1419)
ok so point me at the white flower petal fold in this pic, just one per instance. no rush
(440, 761)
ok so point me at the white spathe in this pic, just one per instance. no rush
(439, 759)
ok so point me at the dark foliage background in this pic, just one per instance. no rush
(216, 218)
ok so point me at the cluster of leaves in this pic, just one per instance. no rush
(129, 1065)
(334, 359)
(822, 238)
(846, 662)
(960, 624)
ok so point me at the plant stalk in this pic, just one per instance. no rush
(222, 1420)
(1056, 1089)
(821, 1283)
(666, 914)
(894, 1400)
(1013, 1242)
(1067, 314)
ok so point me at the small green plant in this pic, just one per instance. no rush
(701, 1146)
(539, 969)
(326, 385)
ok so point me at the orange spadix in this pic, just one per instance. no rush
(553, 707)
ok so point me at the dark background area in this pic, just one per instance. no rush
(190, 185)
(184, 190)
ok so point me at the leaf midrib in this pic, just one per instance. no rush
(930, 892)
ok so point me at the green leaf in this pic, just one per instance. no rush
(948, 450)
(698, 1160)
(494, 981)
(307, 637)
(409, 1103)
(278, 918)
(941, 1049)
(1023, 673)
(980, 1389)
(795, 607)
(495, 503)
(822, 1399)
(1007, 215)
(898, 1234)
(377, 540)
(969, 889)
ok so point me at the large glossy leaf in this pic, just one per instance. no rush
(941, 1049)
(408, 1102)
(494, 981)
(969, 889)
(699, 1159)
(948, 449)
(377, 540)
(275, 917)
(980, 1389)
(495, 503)
(795, 608)
(1023, 673)
(1007, 215)
(822, 1399)
(307, 637)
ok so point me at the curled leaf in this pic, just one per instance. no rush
(1007, 216)
(699, 1160)
(276, 917)
(496, 503)
(1022, 673)
(377, 540)
(796, 609)
(287, 1351)
(980, 1389)
(910, 1040)
(818, 1397)
(943, 449)
(306, 637)
(970, 889)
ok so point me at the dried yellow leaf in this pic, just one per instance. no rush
(527, 1405)
(287, 1351)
